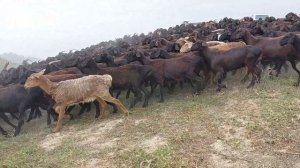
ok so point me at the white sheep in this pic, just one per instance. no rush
(75, 91)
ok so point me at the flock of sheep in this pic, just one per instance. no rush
(187, 53)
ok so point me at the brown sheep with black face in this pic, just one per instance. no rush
(271, 49)
(293, 39)
(221, 62)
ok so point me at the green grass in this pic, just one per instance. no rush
(161, 158)
(24, 152)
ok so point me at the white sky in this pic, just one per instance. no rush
(42, 28)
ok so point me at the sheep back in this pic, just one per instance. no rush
(85, 89)
(228, 46)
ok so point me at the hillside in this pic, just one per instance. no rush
(236, 128)
(4, 61)
(15, 58)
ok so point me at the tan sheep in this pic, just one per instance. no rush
(214, 43)
(228, 46)
(186, 47)
(75, 91)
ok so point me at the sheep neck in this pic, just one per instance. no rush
(205, 52)
(297, 43)
(145, 61)
(249, 38)
(45, 84)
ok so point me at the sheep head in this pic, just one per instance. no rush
(238, 34)
(288, 39)
(198, 46)
(33, 80)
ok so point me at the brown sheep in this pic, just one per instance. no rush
(227, 46)
(293, 39)
(213, 43)
(271, 49)
(221, 62)
(75, 91)
(174, 69)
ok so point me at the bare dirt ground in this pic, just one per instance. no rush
(235, 128)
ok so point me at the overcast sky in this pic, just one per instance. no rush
(42, 28)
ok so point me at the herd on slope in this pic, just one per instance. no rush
(189, 53)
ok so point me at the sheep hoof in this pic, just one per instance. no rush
(71, 117)
(5, 133)
(55, 130)
(243, 81)
(218, 89)
(251, 85)
(96, 120)
(196, 93)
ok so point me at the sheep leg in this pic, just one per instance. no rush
(103, 106)
(137, 96)
(278, 67)
(4, 117)
(199, 86)
(82, 109)
(161, 88)
(252, 81)
(3, 131)
(61, 114)
(118, 93)
(191, 83)
(172, 87)
(49, 110)
(115, 109)
(117, 103)
(181, 84)
(89, 106)
(233, 72)
(69, 109)
(97, 109)
(207, 79)
(21, 110)
(30, 114)
(14, 116)
(245, 77)
(251, 69)
(293, 63)
(147, 95)
(153, 86)
(219, 76)
(38, 112)
(258, 71)
(128, 93)
(286, 67)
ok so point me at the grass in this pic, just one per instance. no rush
(185, 131)
(162, 157)
(22, 152)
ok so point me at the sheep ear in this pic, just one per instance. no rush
(177, 48)
(293, 38)
(138, 54)
(157, 53)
